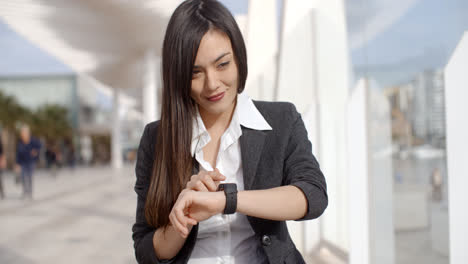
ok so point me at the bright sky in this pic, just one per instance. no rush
(20, 57)
(394, 40)
(400, 35)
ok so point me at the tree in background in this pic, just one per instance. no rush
(11, 112)
(50, 123)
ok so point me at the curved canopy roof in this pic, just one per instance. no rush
(105, 39)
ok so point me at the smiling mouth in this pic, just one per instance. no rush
(216, 97)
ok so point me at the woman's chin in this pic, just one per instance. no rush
(216, 108)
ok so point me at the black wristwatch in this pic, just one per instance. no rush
(230, 190)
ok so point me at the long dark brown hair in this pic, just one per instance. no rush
(173, 163)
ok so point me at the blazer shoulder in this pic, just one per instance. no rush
(149, 134)
(152, 126)
(277, 113)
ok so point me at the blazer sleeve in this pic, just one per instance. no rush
(142, 232)
(302, 170)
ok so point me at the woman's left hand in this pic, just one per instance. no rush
(192, 207)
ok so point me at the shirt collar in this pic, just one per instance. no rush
(245, 114)
(249, 116)
(200, 136)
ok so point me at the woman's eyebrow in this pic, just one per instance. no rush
(221, 56)
(214, 61)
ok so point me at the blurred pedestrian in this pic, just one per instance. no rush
(27, 153)
(71, 159)
(86, 150)
(51, 158)
(2, 166)
(68, 152)
(436, 181)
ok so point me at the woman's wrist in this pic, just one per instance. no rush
(221, 198)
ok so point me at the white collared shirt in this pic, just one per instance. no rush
(227, 238)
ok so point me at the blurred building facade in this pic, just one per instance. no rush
(35, 91)
(428, 107)
(89, 106)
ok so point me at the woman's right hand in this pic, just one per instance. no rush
(205, 181)
(193, 207)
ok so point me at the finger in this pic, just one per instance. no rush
(193, 179)
(191, 221)
(175, 223)
(200, 186)
(192, 184)
(218, 176)
(200, 175)
(209, 183)
(180, 216)
(179, 213)
(180, 228)
(217, 183)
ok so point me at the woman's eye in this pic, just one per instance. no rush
(195, 73)
(224, 64)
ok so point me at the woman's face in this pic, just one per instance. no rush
(215, 76)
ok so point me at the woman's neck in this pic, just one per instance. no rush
(218, 122)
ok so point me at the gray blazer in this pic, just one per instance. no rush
(272, 158)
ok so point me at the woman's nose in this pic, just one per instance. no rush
(212, 81)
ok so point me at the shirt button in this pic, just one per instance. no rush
(266, 240)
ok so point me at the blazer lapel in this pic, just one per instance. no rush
(251, 143)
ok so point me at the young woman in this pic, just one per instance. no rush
(219, 174)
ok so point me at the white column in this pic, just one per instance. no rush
(297, 83)
(359, 244)
(312, 230)
(297, 59)
(116, 147)
(261, 36)
(150, 87)
(380, 176)
(456, 93)
(371, 233)
(332, 67)
(314, 64)
(314, 69)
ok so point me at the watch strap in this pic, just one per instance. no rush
(230, 190)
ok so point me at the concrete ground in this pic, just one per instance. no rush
(80, 216)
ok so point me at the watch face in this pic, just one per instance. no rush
(230, 188)
(221, 187)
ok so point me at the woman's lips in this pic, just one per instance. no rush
(217, 97)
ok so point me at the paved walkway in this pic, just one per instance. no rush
(81, 216)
